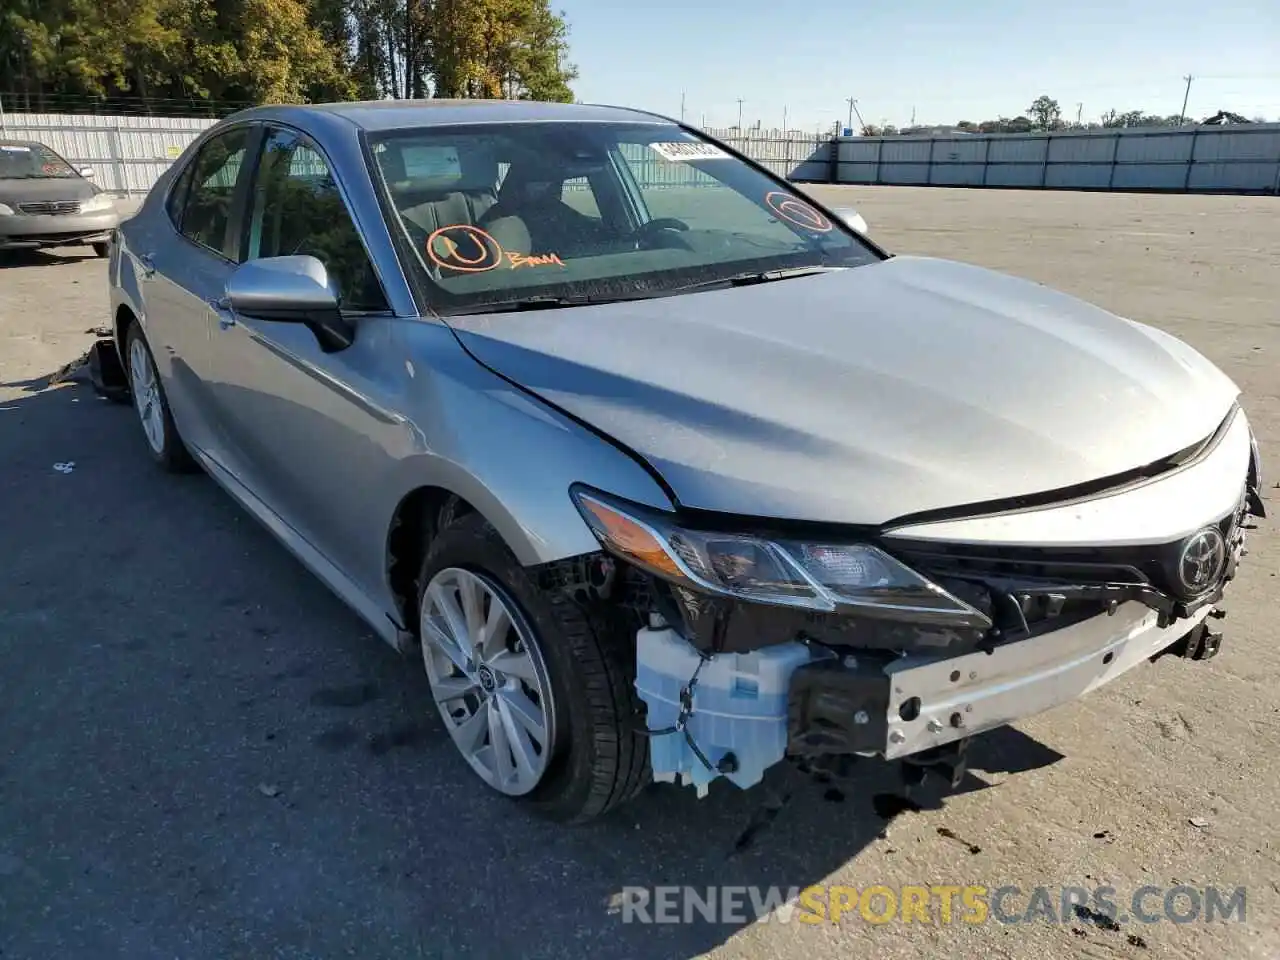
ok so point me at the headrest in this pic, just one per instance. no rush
(531, 177)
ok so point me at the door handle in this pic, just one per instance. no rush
(148, 266)
(221, 308)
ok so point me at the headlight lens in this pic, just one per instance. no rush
(96, 203)
(6, 210)
(815, 576)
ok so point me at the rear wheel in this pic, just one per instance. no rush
(536, 693)
(152, 407)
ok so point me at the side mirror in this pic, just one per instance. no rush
(87, 173)
(291, 290)
(852, 219)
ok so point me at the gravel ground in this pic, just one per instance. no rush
(204, 755)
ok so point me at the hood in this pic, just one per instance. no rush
(868, 394)
(45, 189)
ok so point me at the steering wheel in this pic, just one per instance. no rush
(653, 232)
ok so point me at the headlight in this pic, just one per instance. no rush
(6, 210)
(97, 203)
(815, 576)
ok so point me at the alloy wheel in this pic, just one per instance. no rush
(146, 395)
(488, 678)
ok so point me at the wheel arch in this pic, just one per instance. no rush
(417, 517)
(421, 512)
(124, 318)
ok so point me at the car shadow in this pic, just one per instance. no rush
(45, 257)
(267, 778)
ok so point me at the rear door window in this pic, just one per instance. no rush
(216, 170)
(178, 194)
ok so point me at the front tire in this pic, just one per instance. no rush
(152, 406)
(536, 693)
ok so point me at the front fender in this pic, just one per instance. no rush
(506, 453)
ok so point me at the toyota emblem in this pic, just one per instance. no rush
(1201, 562)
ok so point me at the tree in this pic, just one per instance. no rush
(1045, 113)
(283, 58)
(515, 49)
(282, 50)
(1138, 118)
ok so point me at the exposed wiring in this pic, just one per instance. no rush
(681, 725)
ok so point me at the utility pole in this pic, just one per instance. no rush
(784, 119)
(682, 106)
(739, 113)
(854, 111)
(1079, 112)
(1182, 117)
(913, 115)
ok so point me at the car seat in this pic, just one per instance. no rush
(434, 202)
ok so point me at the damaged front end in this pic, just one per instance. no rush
(758, 647)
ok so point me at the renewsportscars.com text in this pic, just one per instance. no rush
(931, 904)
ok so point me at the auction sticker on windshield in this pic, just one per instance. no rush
(687, 151)
(430, 163)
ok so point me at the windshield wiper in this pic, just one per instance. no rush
(545, 303)
(555, 303)
(765, 276)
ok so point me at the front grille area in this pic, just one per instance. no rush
(1153, 565)
(1090, 565)
(51, 208)
(1043, 588)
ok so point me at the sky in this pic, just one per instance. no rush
(943, 61)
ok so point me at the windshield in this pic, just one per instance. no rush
(31, 161)
(503, 213)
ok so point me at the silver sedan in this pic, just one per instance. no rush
(661, 469)
(45, 202)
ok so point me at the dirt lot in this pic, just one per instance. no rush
(204, 755)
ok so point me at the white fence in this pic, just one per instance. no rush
(128, 154)
(1241, 158)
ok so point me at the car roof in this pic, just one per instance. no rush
(375, 115)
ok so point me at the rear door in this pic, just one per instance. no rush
(184, 262)
(312, 432)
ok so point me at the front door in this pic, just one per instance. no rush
(312, 432)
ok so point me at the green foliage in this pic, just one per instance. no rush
(1045, 113)
(265, 51)
(1138, 118)
(513, 49)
